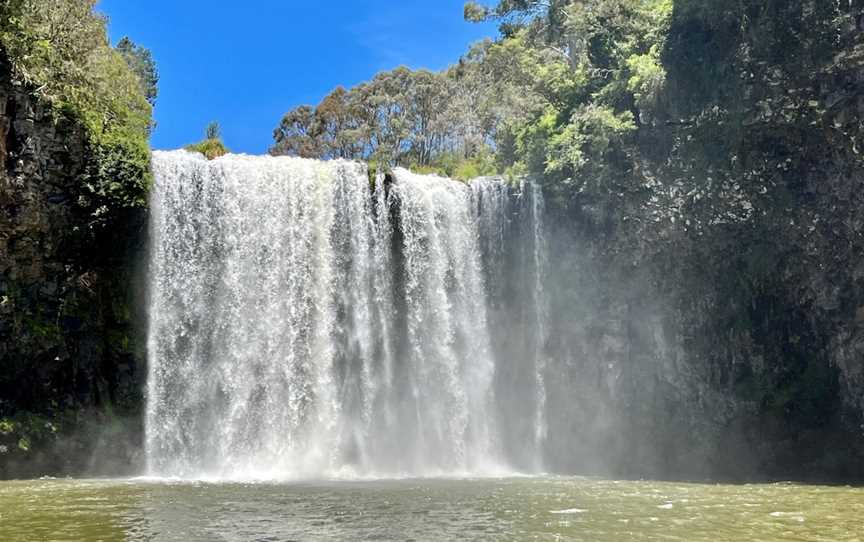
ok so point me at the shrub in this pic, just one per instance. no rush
(212, 146)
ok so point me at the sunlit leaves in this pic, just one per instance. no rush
(591, 132)
(475, 13)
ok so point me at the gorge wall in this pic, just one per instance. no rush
(719, 323)
(70, 358)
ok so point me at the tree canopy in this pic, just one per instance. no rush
(436, 121)
(141, 62)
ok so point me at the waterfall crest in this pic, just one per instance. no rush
(303, 325)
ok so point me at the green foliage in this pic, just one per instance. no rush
(592, 131)
(647, 77)
(61, 49)
(24, 430)
(211, 146)
(475, 13)
(42, 327)
(297, 134)
(458, 167)
(401, 117)
(559, 97)
(478, 166)
(598, 75)
(418, 118)
(141, 62)
(544, 19)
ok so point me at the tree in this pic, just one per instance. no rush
(140, 61)
(213, 131)
(546, 19)
(338, 126)
(386, 101)
(297, 134)
(417, 118)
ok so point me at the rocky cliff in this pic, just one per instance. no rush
(718, 333)
(70, 364)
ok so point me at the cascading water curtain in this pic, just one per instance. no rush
(303, 325)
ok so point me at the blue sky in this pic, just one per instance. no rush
(245, 64)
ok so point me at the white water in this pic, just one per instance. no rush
(303, 326)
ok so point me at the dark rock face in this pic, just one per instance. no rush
(69, 364)
(723, 337)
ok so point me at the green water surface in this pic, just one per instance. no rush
(501, 509)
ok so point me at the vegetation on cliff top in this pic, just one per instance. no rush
(558, 96)
(61, 49)
(432, 121)
(211, 146)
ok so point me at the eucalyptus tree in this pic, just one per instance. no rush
(386, 105)
(296, 134)
(338, 126)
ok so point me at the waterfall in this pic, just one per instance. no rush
(304, 324)
(514, 256)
